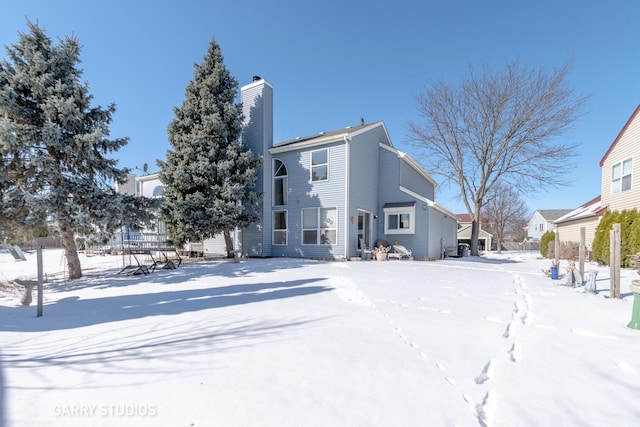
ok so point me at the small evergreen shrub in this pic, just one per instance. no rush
(546, 238)
(629, 221)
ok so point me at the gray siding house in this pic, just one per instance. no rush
(333, 194)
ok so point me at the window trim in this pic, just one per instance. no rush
(319, 228)
(285, 184)
(616, 183)
(312, 166)
(274, 229)
(398, 211)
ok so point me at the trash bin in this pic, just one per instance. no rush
(554, 273)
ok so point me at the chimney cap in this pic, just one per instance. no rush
(256, 78)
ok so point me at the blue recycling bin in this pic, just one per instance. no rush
(554, 273)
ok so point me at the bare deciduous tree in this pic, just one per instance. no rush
(500, 125)
(503, 211)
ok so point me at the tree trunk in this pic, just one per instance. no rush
(475, 232)
(228, 242)
(71, 253)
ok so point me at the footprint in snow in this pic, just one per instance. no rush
(467, 398)
(441, 366)
(518, 306)
(511, 329)
(450, 380)
(516, 352)
(487, 372)
(486, 411)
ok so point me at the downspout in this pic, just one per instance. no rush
(346, 197)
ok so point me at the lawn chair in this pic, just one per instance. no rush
(399, 252)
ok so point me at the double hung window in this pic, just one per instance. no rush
(621, 176)
(320, 226)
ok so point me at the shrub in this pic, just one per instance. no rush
(569, 250)
(546, 238)
(629, 221)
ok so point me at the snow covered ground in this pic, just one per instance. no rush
(477, 341)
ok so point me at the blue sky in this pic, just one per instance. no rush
(333, 62)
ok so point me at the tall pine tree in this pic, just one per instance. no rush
(53, 147)
(209, 175)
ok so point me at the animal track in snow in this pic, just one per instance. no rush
(486, 410)
(516, 352)
(511, 329)
(441, 366)
(487, 372)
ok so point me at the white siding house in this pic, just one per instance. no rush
(542, 221)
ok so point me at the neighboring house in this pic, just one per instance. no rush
(588, 216)
(620, 185)
(620, 188)
(542, 221)
(620, 165)
(464, 232)
(333, 194)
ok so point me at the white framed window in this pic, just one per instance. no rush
(279, 228)
(319, 165)
(319, 226)
(158, 191)
(621, 176)
(399, 218)
(280, 183)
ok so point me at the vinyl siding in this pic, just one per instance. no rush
(389, 185)
(570, 232)
(304, 193)
(628, 146)
(363, 187)
(441, 226)
(257, 104)
(414, 181)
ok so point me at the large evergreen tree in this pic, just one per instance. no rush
(53, 147)
(209, 175)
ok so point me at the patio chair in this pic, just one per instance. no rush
(399, 252)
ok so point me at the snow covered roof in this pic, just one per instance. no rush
(593, 208)
(553, 214)
(330, 136)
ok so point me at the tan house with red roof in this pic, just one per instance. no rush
(464, 232)
(620, 184)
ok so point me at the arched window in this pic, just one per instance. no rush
(280, 184)
(158, 191)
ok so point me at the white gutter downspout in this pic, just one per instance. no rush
(346, 197)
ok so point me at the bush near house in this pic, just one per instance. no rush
(629, 221)
(545, 240)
